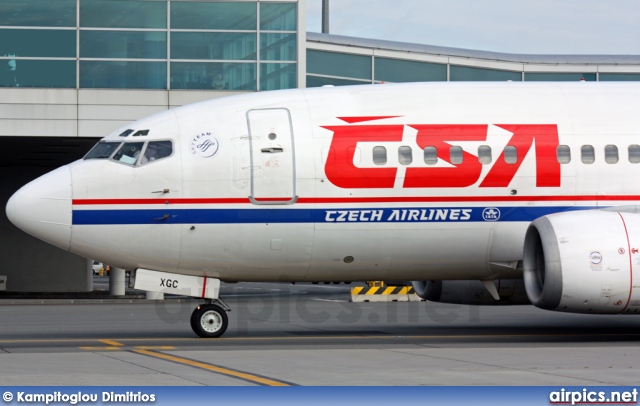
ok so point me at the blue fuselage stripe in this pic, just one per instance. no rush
(282, 214)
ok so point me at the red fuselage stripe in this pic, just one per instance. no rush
(347, 200)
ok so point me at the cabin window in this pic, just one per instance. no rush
(102, 150)
(588, 154)
(129, 153)
(405, 156)
(510, 154)
(326, 153)
(611, 154)
(455, 154)
(379, 155)
(484, 154)
(563, 153)
(430, 155)
(634, 153)
(156, 150)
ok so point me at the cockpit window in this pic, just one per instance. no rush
(129, 153)
(156, 150)
(102, 150)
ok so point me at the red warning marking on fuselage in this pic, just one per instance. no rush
(353, 120)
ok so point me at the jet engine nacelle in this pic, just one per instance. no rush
(584, 262)
(472, 292)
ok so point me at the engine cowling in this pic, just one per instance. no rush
(584, 262)
(472, 292)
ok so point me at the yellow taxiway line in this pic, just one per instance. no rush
(112, 343)
(152, 351)
(214, 368)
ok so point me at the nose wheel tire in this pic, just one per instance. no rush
(209, 321)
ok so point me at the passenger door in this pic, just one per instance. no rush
(273, 173)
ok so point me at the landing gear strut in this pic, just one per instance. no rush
(210, 320)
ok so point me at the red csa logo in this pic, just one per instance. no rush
(341, 171)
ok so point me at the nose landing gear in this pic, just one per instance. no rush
(210, 320)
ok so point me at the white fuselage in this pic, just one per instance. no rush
(342, 184)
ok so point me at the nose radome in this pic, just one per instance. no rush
(42, 208)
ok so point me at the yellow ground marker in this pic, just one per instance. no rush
(213, 368)
(112, 346)
(112, 343)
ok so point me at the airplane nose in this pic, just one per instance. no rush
(42, 208)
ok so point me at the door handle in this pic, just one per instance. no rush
(272, 150)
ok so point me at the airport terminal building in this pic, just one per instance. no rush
(74, 70)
